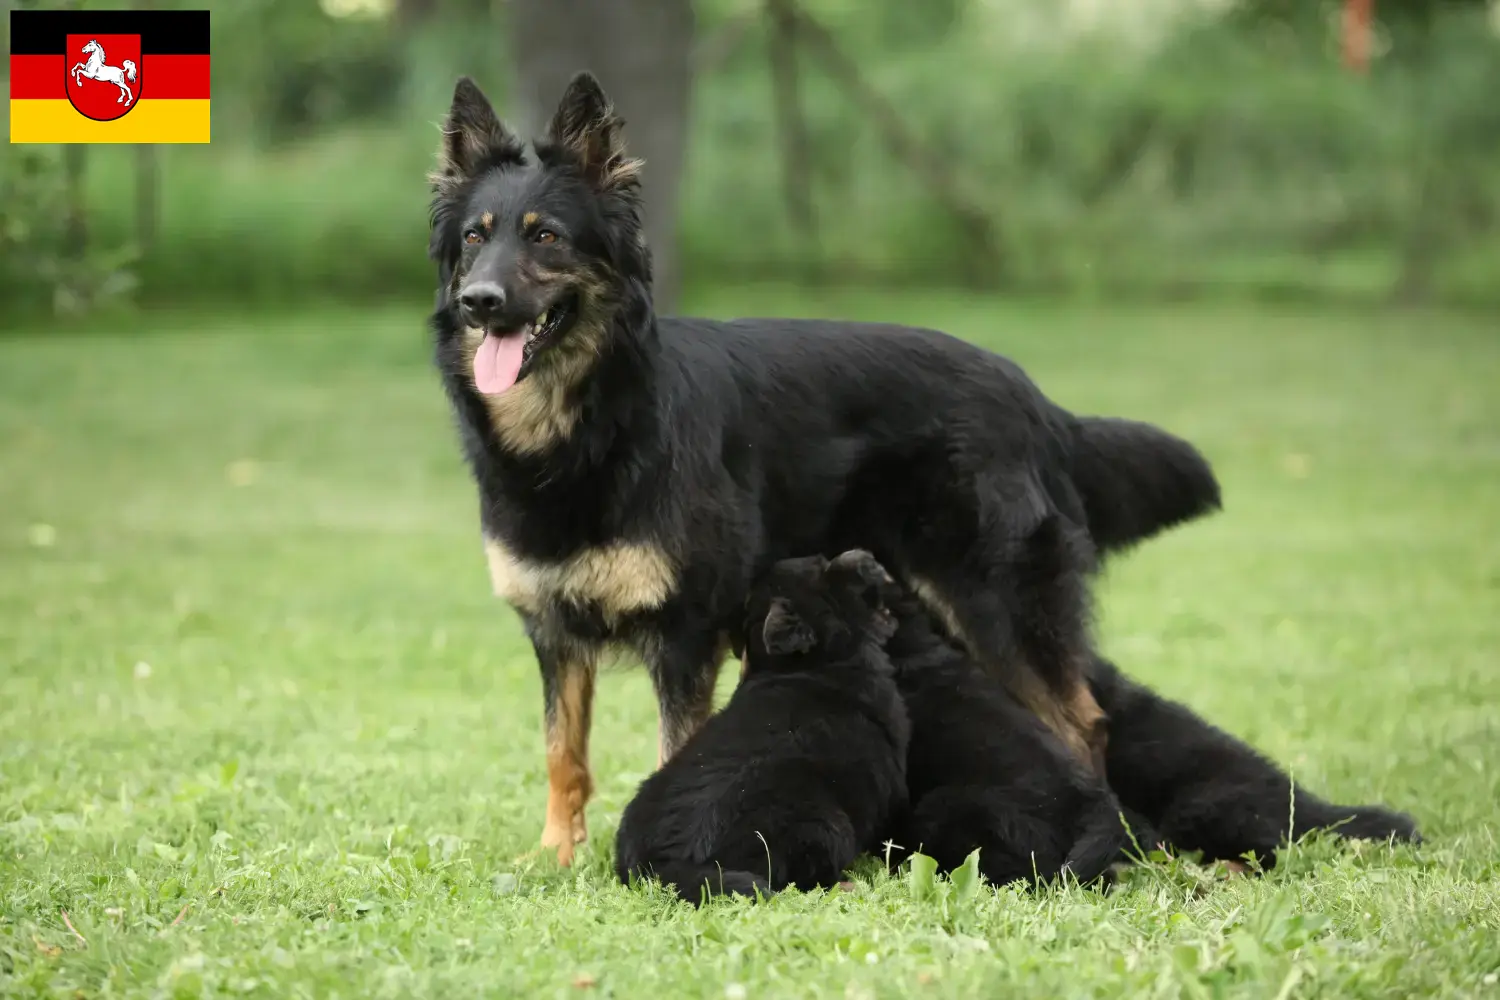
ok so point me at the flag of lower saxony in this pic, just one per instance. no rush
(109, 76)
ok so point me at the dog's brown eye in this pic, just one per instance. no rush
(472, 236)
(545, 236)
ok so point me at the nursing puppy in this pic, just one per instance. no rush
(804, 767)
(983, 772)
(1203, 790)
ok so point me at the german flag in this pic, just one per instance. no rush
(109, 76)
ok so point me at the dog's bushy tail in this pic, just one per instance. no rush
(695, 882)
(1137, 480)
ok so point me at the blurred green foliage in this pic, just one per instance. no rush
(1224, 154)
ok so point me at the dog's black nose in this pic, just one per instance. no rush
(481, 302)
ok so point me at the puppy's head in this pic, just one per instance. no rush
(532, 250)
(814, 606)
(916, 628)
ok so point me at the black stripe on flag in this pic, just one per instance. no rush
(163, 32)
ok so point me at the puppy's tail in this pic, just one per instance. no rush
(696, 882)
(1137, 480)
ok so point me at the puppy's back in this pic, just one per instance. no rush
(786, 785)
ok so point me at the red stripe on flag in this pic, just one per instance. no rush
(164, 78)
(38, 77)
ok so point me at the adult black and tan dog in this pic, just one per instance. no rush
(806, 765)
(636, 473)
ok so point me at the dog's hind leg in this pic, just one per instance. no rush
(1018, 602)
(1052, 603)
(568, 668)
(684, 669)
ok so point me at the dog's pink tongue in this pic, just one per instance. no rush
(498, 362)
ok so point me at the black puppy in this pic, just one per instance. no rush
(1203, 790)
(804, 767)
(984, 772)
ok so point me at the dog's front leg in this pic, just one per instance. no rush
(684, 670)
(568, 667)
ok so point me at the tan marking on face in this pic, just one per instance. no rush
(542, 275)
(620, 578)
(487, 220)
(530, 219)
(538, 412)
(569, 781)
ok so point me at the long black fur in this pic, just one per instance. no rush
(1137, 481)
(1203, 790)
(803, 767)
(731, 445)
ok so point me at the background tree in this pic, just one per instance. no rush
(641, 51)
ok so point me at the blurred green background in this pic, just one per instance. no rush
(1135, 149)
(267, 733)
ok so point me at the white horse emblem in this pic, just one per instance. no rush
(97, 69)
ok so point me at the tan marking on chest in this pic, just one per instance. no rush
(619, 578)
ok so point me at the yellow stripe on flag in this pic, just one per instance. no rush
(150, 121)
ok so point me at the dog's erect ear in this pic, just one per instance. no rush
(785, 631)
(473, 135)
(587, 127)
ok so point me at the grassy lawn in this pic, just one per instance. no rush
(263, 732)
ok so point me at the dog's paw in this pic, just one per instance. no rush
(564, 836)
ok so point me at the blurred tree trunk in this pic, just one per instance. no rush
(147, 195)
(410, 12)
(641, 51)
(791, 125)
(75, 222)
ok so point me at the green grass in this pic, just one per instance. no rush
(265, 732)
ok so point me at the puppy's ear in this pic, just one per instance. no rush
(472, 136)
(785, 631)
(587, 128)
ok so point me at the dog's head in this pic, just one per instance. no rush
(814, 605)
(533, 249)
